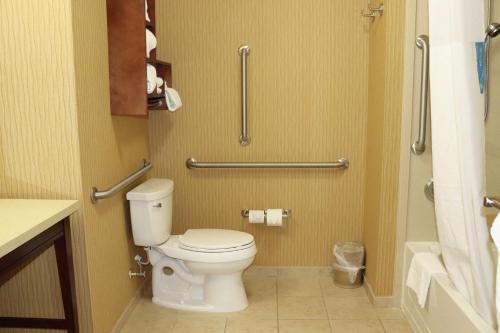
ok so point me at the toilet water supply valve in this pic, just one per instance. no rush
(140, 263)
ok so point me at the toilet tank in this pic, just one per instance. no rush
(151, 211)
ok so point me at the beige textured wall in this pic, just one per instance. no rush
(308, 72)
(493, 123)
(111, 148)
(375, 142)
(39, 155)
(384, 127)
(57, 140)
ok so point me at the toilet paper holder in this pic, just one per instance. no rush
(246, 211)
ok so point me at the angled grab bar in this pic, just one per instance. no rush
(244, 51)
(192, 163)
(418, 147)
(95, 194)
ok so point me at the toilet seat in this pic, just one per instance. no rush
(174, 249)
(215, 240)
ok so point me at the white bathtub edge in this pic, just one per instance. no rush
(459, 315)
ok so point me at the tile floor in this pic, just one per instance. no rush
(281, 300)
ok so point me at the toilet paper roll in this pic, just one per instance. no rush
(274, 217)
(256, 216)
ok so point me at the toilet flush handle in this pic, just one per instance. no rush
(158, 205)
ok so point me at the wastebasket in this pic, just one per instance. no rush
(348, 264)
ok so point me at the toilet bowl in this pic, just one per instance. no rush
(199, 270)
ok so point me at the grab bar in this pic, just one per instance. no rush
(192, 163)
(95, 194)
(491, 202)
(418, 147)
(244, 51)
(492, 31)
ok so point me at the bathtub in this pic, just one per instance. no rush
(446, 311)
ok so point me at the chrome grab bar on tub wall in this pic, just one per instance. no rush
(244, 51)
(95, 194)
(192, 163)
(492, 31)
(492, 202)
(418, 147)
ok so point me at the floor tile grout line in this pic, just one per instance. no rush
(277, 304)
(326, 310)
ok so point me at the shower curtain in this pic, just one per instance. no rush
(458, 149)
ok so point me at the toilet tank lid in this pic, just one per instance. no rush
(152, 189)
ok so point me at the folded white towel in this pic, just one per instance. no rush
(422, 267)
(172, 98)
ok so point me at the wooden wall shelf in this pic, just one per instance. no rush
(127, 57)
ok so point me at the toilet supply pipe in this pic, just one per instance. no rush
(140, 263)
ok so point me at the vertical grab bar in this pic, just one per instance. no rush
(244, 51)
(418, 147)
(492, 31)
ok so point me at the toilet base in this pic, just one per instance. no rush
(221, 294)
(179, 288)
(192, 305)
(225, 293)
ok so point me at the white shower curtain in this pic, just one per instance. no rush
(458, 148)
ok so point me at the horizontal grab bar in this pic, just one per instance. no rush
(491, 202)
(192, 163)
(95, 194)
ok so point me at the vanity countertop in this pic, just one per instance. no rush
(23, 219)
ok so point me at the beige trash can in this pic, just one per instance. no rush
(348, 265)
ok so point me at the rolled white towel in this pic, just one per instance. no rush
(151, 78)
(146, 16)
(159, 84)
(423, 266)
(151, 42)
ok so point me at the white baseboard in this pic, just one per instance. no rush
(130, 307)
(377, 301)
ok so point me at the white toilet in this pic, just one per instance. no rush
(197, 271)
